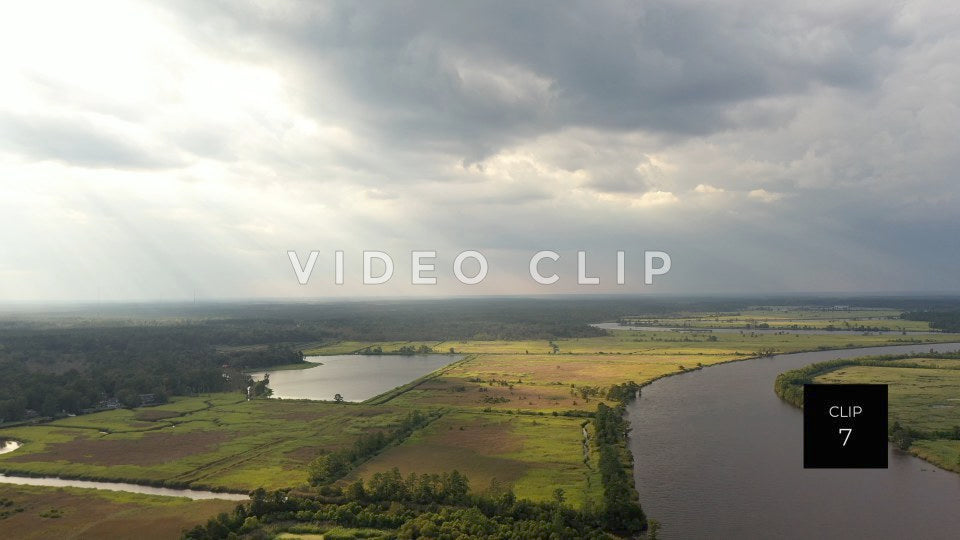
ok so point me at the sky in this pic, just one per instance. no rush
(179, 149)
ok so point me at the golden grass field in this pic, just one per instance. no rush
(809, 319)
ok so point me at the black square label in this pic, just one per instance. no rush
(845, 426)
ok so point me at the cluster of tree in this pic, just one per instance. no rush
(410, 350)
(623, 393)
(621, 510)
(496, 515)
(946, 321)
(445, 488)
(262, 357)
(902, 437)
(335, 465)
(261, 388)
(585, 391)
(406, 350)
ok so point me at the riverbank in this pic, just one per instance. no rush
(717, 446)
(284, 367)
(923, 389)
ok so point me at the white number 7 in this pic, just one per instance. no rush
(847, 438)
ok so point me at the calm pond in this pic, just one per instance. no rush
(356, 377)
(719, 455)
(8, 446)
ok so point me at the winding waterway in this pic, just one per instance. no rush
(719, 455)
(196, 494)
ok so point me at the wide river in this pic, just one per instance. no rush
(718, 455)
(356, 377)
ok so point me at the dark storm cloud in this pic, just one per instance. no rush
(473, 77)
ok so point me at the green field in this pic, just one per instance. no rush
(217, 441)
(806, 319)
(684, 343)
(533, 454)
(925, 399)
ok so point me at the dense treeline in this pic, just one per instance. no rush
(789, 384)
(424, 506)
(335, 465)
(261, 357)
(446, 488)
(621, 510)
(50, 372)
(946, 321)
(424, 320)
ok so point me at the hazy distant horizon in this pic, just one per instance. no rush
(778, 299)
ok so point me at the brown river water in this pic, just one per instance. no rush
(718, 455)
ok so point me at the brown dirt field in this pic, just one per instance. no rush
(150, 449)
(486, 437)
(87, 514)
